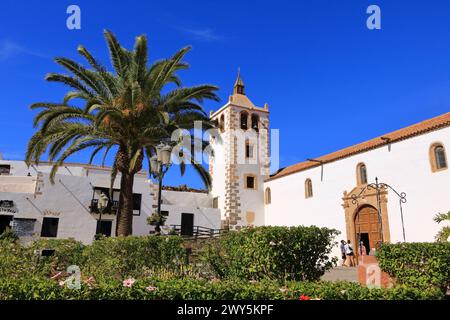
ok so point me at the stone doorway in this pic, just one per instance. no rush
(367, 228)
(361, 217)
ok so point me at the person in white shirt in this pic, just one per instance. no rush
(349, 254)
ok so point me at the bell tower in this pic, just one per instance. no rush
(241, 160)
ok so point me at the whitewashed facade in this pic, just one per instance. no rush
(30, 204)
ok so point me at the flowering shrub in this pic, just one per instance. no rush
(200, 289)
(296, 253)
(419, 265)
(133, 256)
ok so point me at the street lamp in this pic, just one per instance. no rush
(159, 164)
(102, 203)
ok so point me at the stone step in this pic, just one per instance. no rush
(341, 274)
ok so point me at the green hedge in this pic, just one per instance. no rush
(106, 258)
(295, 253)
(133, 256)
(418, 265)
(195, 289)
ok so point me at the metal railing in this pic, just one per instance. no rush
(198, 232)
(112, 208)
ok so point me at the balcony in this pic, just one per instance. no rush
(112, 208)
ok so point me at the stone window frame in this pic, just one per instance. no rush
(359, 181)
(251, 144)
(308, 189)
(255, 180)
(433, 159)
(267, 196)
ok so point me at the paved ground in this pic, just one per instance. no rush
(342, 274)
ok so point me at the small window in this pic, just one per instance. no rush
(5, 169)
(49, 227)
(222, 123)
(268, 196)
(248, 150)
(104, 227)
(308, 188)
(215, 203)
(244, 120)
(137, 199)
(250, 182)
(438, 157)
(255, 122)
(361, 174)
(164, 213)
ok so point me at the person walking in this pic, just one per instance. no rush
(350, 254)
(342, 247)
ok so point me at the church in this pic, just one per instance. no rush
(386, 189)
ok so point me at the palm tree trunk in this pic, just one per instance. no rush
(124, 225)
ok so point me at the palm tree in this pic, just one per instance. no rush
(130, 111)
(444, 233)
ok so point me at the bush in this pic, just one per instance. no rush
(106, 258)
(197, 289)
(9, 235)
(17, 261)
(132, 256)
(418, 265)
(67, 252)
(295, 253)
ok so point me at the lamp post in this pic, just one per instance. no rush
(159, 164)
(101, 204)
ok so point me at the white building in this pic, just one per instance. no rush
(330, 191)
(35, 208)
(334, 190)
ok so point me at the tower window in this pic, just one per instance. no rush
(248, 150)
(244, 120)
(438, 159)
(308, 188)
(268, 196)
(222, 123)
(250, 182)
(361, 174)
(255, 122)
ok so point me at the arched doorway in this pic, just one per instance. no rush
(367, 227)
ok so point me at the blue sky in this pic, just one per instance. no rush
(329, 81)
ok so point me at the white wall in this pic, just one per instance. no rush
(70, 196)
(405, 166)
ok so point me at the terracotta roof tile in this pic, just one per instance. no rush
(402, 134)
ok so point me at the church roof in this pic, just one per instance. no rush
(423, 127)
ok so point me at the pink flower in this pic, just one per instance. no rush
(303, 297)
(151, 288)
(128, 282)
(56, 275)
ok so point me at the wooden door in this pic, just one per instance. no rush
(366, 221)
